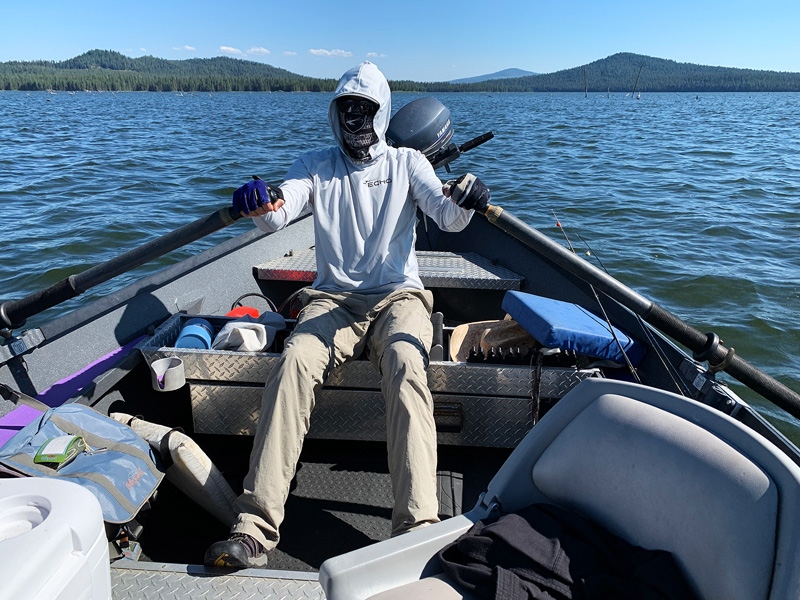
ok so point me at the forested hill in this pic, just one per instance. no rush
(108, 70)
(619, 73)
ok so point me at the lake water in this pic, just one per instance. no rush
(691, 201)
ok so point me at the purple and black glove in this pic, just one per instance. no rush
(469, 192)
(254, 194)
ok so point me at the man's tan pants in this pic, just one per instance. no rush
(396, 331)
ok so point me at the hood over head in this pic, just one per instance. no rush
(365, 81)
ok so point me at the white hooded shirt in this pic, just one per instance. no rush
(365, 214)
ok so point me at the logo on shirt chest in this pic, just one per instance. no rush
(376, 182)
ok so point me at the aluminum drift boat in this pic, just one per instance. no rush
(341, 499)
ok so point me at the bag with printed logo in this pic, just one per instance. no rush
(76, 443)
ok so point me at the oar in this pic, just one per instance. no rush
(13, 313)
(705, 346)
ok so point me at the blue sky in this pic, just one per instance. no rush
(423, 40)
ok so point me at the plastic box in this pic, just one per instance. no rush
(53, 544)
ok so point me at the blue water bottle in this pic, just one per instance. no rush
(196, 333)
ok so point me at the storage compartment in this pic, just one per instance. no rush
(475, 404)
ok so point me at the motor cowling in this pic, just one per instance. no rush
(423, 124)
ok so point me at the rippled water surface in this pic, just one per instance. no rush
(691, 201)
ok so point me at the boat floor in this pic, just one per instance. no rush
(340, 500)
(154, 581)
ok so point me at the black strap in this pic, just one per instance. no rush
(163, 445)
(536, 391)
(19, 398)
(163, 450)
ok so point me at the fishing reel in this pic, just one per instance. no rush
(425, 125)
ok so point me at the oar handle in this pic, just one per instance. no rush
(718, 356)
(475, 142)
(724, 359)
(13, 313)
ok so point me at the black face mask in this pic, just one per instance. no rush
(356, 121)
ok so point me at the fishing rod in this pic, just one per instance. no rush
(628, 363)
(706, 347)
(680, 384)
(14, 313)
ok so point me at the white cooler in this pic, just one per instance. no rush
(52, 542)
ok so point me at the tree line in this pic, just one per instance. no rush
(106, 70)
(128, 81)
(111, 71)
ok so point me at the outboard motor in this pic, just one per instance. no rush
(425, 125)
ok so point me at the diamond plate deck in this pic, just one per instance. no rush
(436, 269)
(496, 422)
(480, 405)
(158, 581)
(443, 377)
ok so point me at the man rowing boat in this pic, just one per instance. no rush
(367, 297)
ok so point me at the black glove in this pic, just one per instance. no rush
(469, 192)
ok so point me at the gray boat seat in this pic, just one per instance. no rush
(660, 471)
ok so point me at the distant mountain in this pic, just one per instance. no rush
(504, 74)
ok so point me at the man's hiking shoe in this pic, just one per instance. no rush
(239, 551)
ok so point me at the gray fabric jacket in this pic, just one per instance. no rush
(365, 214)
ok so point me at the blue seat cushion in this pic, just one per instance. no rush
(557, 324)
